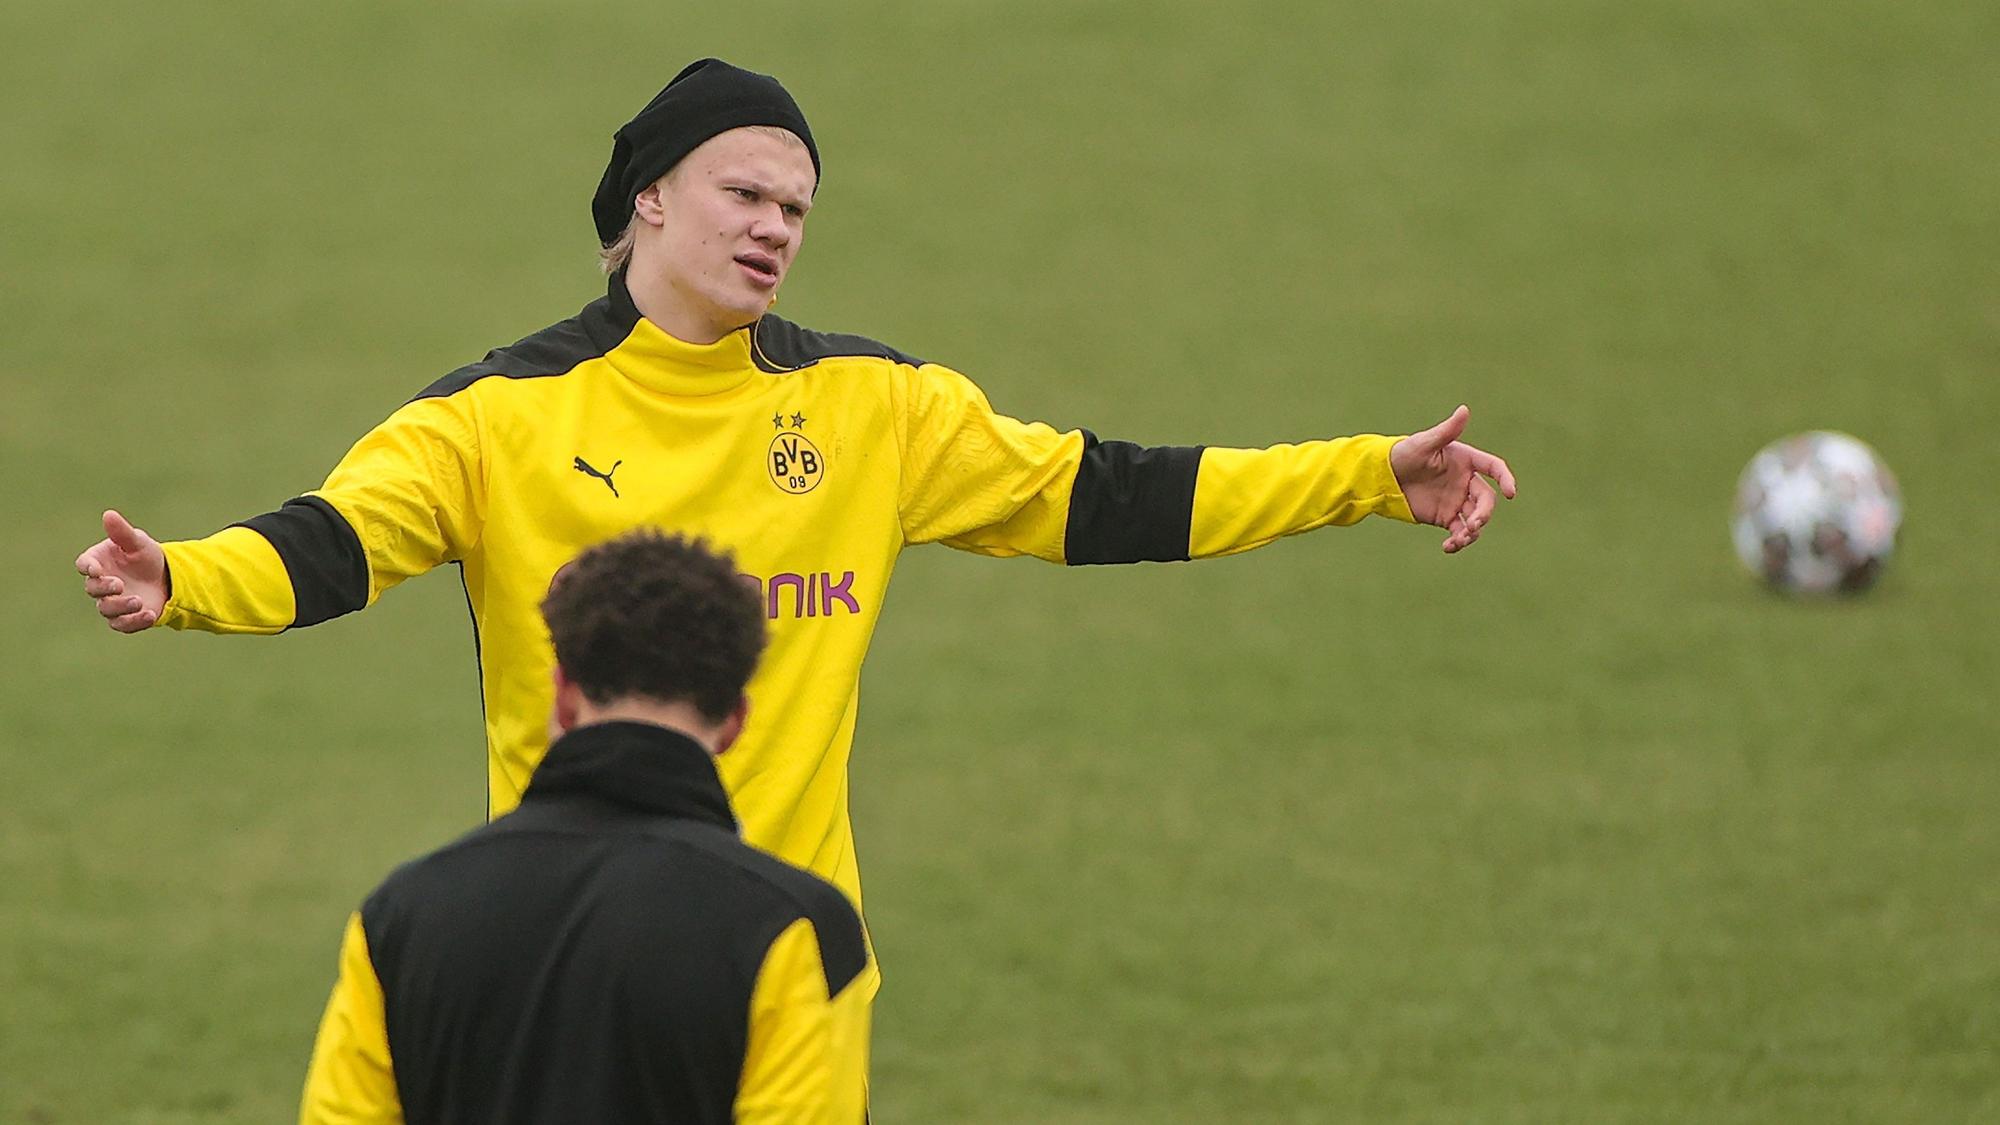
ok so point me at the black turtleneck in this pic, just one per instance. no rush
(643, 767)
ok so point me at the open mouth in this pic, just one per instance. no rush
(759, 267)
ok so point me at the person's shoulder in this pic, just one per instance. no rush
(778, 346)
(413, 880)
(843, 950)
(555, 350)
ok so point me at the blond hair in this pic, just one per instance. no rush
(617, 254)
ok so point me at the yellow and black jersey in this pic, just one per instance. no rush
(612, 951)
(815, 458)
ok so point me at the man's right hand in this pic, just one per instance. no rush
(127, 573)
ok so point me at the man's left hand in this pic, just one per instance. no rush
(1442, 478)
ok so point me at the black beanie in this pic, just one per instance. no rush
(707, 98)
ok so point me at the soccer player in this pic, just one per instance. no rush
(677, 400)
(612, 951)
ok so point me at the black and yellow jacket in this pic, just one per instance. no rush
(815, 458)
(610, 951)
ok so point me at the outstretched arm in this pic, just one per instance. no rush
(980, 481)
(1245, 498)
(409, 495)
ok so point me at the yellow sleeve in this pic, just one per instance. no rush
(231, 582)
(1245, 498)
(350, 1080)
(408, 496)
(983, 482)
(807, 1059)
(978, 480)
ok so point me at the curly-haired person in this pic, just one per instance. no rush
(611, 950)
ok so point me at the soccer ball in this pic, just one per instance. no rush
(1817, 513)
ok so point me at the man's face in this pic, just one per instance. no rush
(724, 227)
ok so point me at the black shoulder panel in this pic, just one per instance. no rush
(1131, 503)
(843, 952)
(779, 346)
(552, 351)
(322, 556)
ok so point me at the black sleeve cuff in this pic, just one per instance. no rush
(322, 555)
(1131, 503)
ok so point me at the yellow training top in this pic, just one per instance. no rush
(815, 458)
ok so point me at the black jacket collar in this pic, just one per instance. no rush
(610, 319)
(638, 765)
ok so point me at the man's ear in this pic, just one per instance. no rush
(732, 727)
(568, 702)
(651, 205)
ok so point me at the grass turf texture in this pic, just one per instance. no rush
(1576, 827)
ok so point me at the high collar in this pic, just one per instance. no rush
(638, 765)
(657, 360)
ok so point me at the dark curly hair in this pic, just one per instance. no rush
(659, 616)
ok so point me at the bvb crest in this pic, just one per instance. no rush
(796, 464)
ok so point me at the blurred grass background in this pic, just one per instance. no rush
(1579, 826)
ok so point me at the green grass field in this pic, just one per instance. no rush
(1577, 827)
